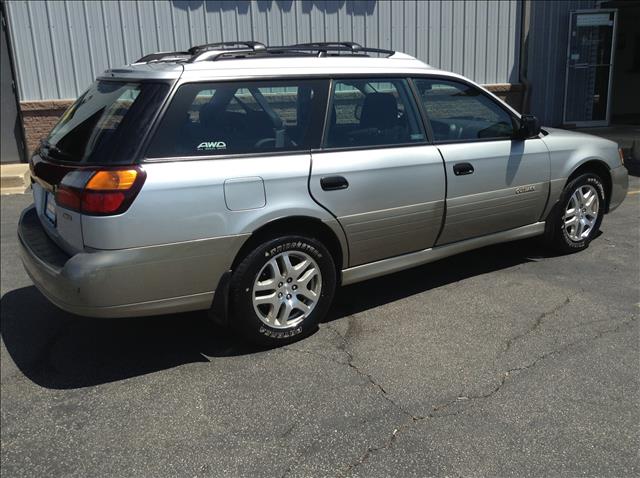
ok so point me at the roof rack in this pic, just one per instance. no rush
(254, 45)
(323, 48)
(204, 52)
(215, 51)
(211, 51)
(164, 56)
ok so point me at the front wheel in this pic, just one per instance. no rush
(281, 290)
(575, 220)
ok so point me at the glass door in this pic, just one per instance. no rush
(589, 67)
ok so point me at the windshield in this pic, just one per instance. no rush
(105, 125)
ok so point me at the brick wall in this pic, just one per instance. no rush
(511, 93)
(41, 116)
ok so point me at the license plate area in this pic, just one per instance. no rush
(50, 207)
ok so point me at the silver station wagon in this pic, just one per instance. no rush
(251, 181)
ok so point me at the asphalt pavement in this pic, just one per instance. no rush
(506, 361)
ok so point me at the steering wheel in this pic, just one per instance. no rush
(261, 143)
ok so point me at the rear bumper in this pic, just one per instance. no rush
(141, 281)
(619, 186)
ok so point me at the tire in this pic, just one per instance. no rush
(585, 225)
(272, 301)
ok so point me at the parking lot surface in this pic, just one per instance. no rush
(506, 361)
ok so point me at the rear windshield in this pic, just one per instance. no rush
(106, 124)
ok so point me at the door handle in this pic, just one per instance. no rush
(462, 169)
(333, 183)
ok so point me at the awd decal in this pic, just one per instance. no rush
(211, 145)
(525, 189)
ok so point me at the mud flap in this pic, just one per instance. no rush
(219, 311)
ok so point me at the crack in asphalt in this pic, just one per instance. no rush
(461, 399)
(411, 418)
(342, 347)
(535, 324)
(287, 471)
(505, 375)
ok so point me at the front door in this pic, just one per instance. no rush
(494, 183)
(376, 172)
(589, 67)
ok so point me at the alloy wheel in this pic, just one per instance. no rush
(287, 289)
(581, 213)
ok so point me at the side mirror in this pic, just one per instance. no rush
(529, 127)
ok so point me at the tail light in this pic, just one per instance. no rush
(100, 192)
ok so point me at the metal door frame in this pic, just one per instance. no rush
(22, 146)
(607, 119)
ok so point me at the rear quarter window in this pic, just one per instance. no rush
(207, 119)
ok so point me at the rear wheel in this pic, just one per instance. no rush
(575, 220)
(281, 290)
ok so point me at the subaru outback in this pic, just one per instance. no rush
(251, 181)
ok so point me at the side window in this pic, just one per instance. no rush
(227, 118)
(458, 112)
(371, 112)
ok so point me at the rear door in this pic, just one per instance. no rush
(495, 182)
(376, 172)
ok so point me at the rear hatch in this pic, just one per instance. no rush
(87, 163)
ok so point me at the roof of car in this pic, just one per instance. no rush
(270, 66)
(252, 59)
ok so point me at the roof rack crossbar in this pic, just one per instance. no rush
(325, 47)
(161, 55)
(214, 54)
(346, 44)
(254, 45)
(211, 51)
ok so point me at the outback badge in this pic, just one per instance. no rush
(525, 189)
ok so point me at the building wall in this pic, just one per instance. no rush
(61, 46)
(546, 62)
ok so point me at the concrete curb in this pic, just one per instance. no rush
(14, 178)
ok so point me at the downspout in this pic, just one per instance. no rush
(525, 20)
